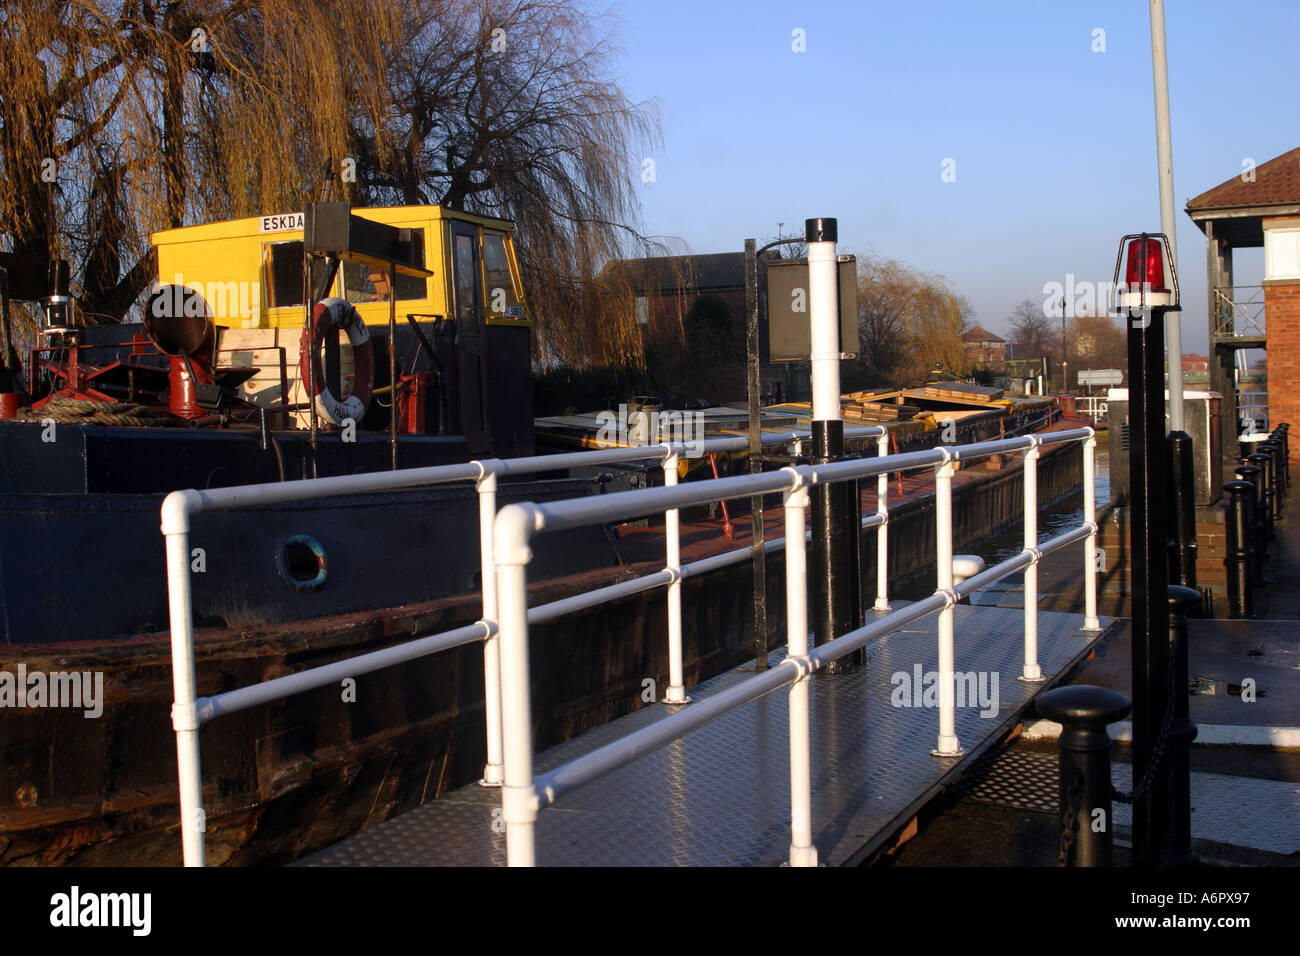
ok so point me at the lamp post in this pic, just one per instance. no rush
(1065, 378)
(1149, 291)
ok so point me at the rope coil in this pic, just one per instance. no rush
(70, 411)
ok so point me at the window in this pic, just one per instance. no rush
(642, 310)
(282, 265)
(363, 284)
(1281, 253)
(466, 287)
(502, 292)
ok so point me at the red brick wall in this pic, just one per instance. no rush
(1282, 315)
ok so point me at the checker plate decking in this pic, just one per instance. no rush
(720, 795)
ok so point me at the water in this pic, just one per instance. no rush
(1063, 515)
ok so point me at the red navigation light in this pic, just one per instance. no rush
(1146, 265)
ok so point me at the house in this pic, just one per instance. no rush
(984, 347)
(1260, 206)
(665, 288)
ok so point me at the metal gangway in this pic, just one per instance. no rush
(504, 627)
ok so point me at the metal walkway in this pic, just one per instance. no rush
(720, 795)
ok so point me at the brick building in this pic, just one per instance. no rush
(1259, 207)
(984, 347)
(664, 289)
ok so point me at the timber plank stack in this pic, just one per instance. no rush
(963, 392)
(874, 406)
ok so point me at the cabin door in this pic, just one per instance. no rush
(467, 291)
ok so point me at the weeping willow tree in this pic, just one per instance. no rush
(908, 321)
(508, 109)
(121, 118)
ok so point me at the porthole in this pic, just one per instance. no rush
(301, 561)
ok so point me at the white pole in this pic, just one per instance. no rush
(882, 532)
(948, 745)
(823, 312)
(1090, 622)
(676, 693)
(487, 512)
(1168, 222)
(512, 531)
(185, 720)
(1032, 671)
(802, 850)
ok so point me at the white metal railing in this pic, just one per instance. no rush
(1095, 407)
(1252, 411)
(1239, 310)
(190, 712)
(524, 794)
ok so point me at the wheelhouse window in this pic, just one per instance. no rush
(502, 289)
(282, 273)
(363, 284)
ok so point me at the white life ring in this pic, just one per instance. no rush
(329, 315)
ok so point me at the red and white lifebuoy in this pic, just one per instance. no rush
(330, 315)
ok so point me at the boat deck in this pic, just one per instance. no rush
(720, 795)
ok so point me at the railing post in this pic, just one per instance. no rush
(676, 693)
(1090, 621)
(882, 530)
(185, 719)
(1032, 672)
(802, 850)
(1084, 749)
(486, 484)
(948, 745)
(511, 533)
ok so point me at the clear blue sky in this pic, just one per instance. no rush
(1053, 144)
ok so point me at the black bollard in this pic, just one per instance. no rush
(1254, 477)
(1282, 431)
(1240, 557)
(1083, 712)
(1182, 511)
(1181, 733)
(1273, 449)
(1264, 463)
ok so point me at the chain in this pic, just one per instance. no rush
(1158, 754)
(1070, 820)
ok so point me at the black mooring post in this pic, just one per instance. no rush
(836, 520)
(1283, 432)
(1264, 463)
(1181, 733)
(1149, 563)
(1240, 558)
(1182, 509)
(1254, 477)
(1274, 451)
(1084, 711)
